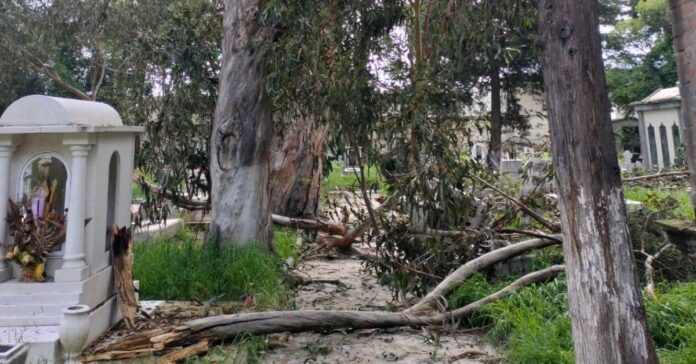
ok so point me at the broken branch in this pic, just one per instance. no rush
(473, 266)
(533, 214)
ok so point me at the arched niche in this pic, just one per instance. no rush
(44, 185)
(46, 176)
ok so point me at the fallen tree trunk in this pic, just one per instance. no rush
(219, 328)
(473, 266)
(310, 224)
(654, 176)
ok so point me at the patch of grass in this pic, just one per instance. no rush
(348, 181)
(285, 244)
(533, 325)
(181, 269)
(672, 322)
(649, 195)
(246, 349)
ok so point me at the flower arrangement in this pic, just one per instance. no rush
(36, 229)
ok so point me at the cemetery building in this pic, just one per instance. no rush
(660, 127)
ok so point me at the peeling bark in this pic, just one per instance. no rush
(606, 305)
(296, 169)
(241, 135)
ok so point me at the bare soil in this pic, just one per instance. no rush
(361, 291)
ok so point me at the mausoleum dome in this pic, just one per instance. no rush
(39, 110)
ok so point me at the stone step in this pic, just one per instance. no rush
(32, 310)
(30, 320)
(14, 287)
(33, 299)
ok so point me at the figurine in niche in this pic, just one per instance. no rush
(43, 194)
(37, 224)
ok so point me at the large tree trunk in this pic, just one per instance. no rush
(684, 25)
(606, 306)
(296, 169)
(241, 135)
(496, 128)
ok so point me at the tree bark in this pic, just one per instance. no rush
(123, 274)
(684, 30)
(296, 169)
(606, 306)
(241, 135)
(496, 129)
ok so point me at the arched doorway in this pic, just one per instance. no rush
(111, 197)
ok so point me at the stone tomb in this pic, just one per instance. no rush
(87, 153)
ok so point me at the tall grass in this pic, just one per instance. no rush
(533, 325)
(181, 269)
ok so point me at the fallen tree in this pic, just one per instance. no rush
(467, 270)
(196, 336)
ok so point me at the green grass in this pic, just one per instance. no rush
(285, 244)
(683, 207)
(533, 325)
(338, 180)
(179, 268)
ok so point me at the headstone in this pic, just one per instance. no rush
(537, 176)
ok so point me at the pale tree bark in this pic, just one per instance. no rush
(606, 306)
(241, 135)
(496, 127)
(684, 29)
(296, 169)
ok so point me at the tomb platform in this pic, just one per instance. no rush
(66, 163)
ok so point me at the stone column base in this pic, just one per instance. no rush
(72, 275)
(5, 273)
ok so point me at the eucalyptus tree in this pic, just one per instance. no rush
(684, 15)
(500, 34)
(156, 62)
(605, 301)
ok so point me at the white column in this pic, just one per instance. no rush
(74, 267)
(6, 152)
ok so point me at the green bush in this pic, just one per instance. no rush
(181, 269)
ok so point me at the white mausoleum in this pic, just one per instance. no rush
(85, 148)
(660, 127)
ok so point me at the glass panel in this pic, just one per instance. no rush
(653, 145)
(665, 147)
(44, 184)
(676, 137)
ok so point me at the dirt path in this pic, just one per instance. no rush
(361, 291)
